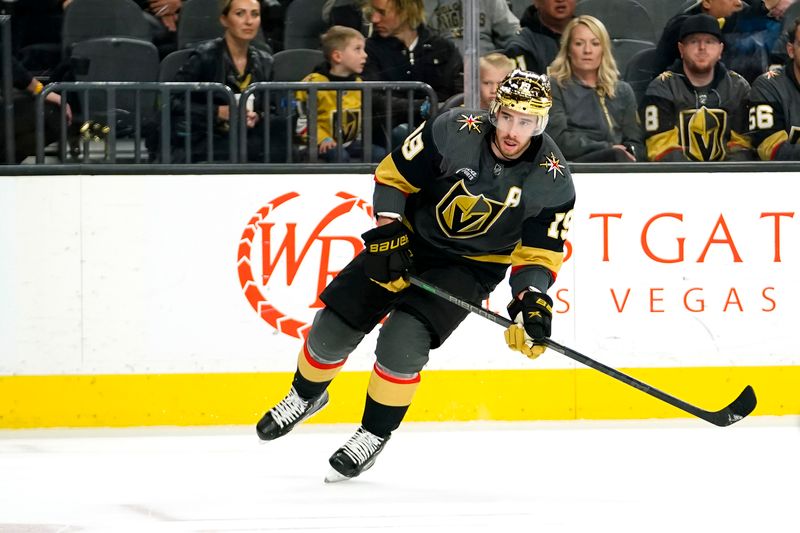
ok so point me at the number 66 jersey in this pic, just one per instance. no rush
(774, 116)
(474, 208)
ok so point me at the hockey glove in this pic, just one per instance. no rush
(387, 255)
(532, 315)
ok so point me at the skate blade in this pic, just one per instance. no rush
(335, 477)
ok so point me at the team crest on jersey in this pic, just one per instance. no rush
(552, 164)
(702, 133)
(462, 215)
(471, 122)
(351, 124)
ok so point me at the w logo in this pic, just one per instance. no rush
(294, 264)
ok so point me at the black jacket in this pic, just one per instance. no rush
(435, 61)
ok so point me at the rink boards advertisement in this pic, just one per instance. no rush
(192, 295)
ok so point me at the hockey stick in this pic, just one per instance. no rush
(739, 408)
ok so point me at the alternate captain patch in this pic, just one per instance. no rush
(471, 122)
(553, 164)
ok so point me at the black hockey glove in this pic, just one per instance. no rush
(387, 255)
(532, 315)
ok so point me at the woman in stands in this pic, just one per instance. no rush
(235, 62)
(593, 118)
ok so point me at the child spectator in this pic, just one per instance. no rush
(494, 68)
(344, 61)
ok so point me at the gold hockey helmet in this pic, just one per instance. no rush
(525, 92)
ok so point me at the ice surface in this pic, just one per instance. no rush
(634, 476)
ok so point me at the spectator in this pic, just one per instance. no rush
(402, 48)
(537, 43)
(695, 111)
(748, 32)
(27, 88)
(497, 24)
(593, 118)
(775, 106)
(345, 58)
(162, 15)
(234, 61)
(494, 68)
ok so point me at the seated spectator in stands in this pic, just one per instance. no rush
(235, 62)
(695, 111)
(537, 43)
(494, 68)
(403, 48)
(497, 24)
(593, 118)
(163, 18)
(27, 88)
(748, 28)
(345, 57)
(775, 106)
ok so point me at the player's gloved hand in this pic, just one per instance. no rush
(532, 315)
(388, 255)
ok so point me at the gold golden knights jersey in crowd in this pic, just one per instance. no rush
(684, 123)
(774, 117)
(458, 197)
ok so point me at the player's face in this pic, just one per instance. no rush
(513, 132)
(353, 56)
(385, 18)
(700, 52)
(491, 77)
(585, 50)
(722, 8)
(243, 19)
(555, 12)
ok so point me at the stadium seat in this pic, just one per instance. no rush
(172, 63)
(624, 19)
(295, 64)
(89, 19)
(625, 49)
(639, 71)
(304, 24)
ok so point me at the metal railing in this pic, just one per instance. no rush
(164, 116)
(8, 94)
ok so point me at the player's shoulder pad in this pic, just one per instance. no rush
(553, 168)
(460, 128)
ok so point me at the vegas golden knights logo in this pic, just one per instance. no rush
(461, 215)
(703, 133)
(351, 124)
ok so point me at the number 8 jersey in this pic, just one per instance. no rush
(463, 201)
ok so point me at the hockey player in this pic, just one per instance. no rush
(775, 106)
(467, 195)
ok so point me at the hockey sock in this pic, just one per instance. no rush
(388, 399)
(313, 375)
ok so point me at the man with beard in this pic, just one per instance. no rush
(537, 43)
(775, 106)
(695, 110)
(468, 195)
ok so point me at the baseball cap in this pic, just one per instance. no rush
(700, 23)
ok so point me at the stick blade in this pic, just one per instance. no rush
(739, 408)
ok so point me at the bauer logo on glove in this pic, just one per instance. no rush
(388, 256)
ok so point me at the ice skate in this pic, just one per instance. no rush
(292, 410)
(357, 455)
